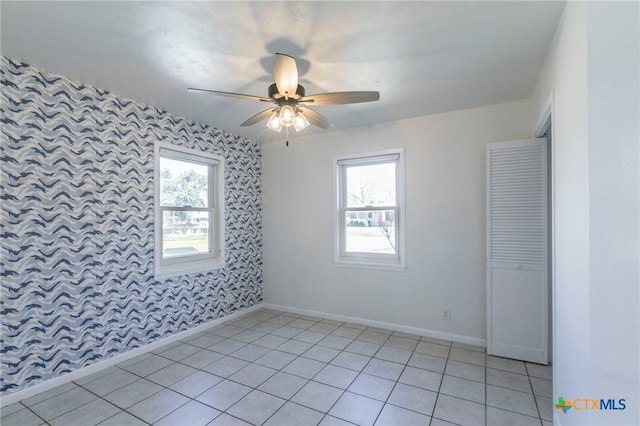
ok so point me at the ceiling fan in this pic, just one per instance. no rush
(291, 101)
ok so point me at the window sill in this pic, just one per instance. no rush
(175, 270)
(394, 267)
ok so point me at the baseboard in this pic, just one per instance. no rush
(381, 324)
(10, 398)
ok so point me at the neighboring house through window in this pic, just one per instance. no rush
(370, 210)
(189, 211)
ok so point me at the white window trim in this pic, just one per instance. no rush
(197, 263)
(369, 261)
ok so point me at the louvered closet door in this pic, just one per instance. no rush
(517, 293)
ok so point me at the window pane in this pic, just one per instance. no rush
(370, 232)
(371, 185)
(183, 183)
(184, 233)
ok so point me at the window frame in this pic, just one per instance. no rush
(341, 257)
(196, 263)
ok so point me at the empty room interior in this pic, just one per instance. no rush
(320, 213)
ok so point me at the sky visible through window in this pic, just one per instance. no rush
(178, 167)
(371, 185)
(370, 231)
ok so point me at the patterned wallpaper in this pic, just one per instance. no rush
(77, 244)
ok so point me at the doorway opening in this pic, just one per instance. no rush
(544, 129)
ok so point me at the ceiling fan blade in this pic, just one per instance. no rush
(316, 118)
(285, 74)
(337, 98)
(259, 117)
(229, 94)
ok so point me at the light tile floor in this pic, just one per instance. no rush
(276, 368)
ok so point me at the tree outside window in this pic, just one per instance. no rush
(189, 210)
(368, 209)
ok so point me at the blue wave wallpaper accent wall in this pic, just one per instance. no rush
(77, 213)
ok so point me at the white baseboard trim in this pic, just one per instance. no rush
(381, 324)
(101, 365)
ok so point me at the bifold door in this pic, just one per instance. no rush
(517, 287)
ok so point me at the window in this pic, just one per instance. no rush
(189, 211)
(370, 211)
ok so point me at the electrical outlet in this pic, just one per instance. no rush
(446, 314)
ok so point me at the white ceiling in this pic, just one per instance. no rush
(423, 57)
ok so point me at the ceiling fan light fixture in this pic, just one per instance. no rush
(274, 122)
(287, 116)
(290, 99)
(300, 122)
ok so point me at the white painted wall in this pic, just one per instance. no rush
(445, 218)
(614, 201)
(592, 69)
(564, 74)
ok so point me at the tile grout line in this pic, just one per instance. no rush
(109, 402)
(227, 378)
(286, 400)
(281, 370)
(440, 387)
(345, 389)
(302, 355)
(535, 400)
(363, 368)
(397, 380)
(532, 394)
(486, 392)
(326, 364)
(145, 378)
(296, 356)
(33, 412)
(200, 369)
(66, 412)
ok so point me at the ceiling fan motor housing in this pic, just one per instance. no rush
(274, 94)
